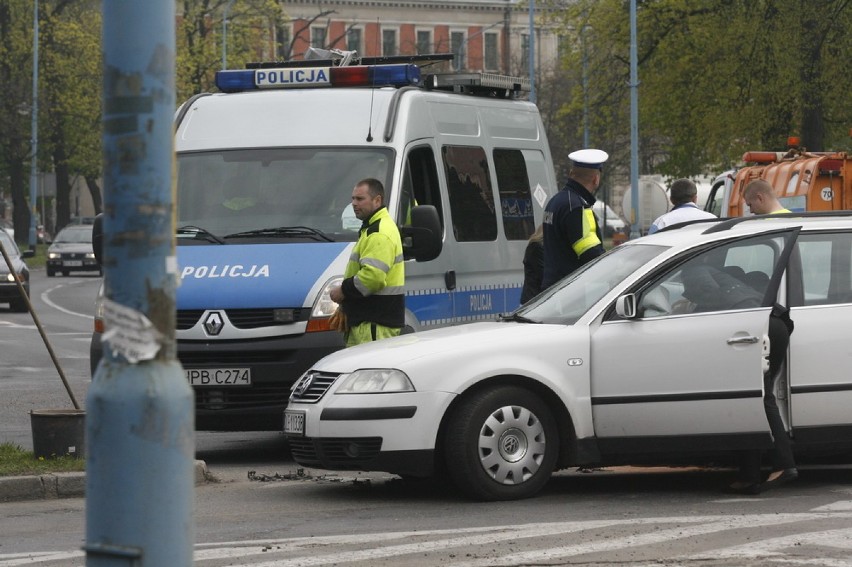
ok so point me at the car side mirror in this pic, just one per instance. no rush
(625, 306)
(423, 239)
(98, 238)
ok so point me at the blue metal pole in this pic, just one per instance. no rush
(635, 230)
(140, 423)
(34, 125)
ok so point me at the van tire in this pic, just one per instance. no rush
(501, 444)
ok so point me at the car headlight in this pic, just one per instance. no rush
(375, 380)
(53, 255)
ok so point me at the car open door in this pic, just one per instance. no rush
(686, 373)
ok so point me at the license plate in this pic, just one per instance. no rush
(72, 263)
(294, 422)
(218, 376)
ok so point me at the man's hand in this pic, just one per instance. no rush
(336, 294)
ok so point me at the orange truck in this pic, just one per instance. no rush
(803, 181)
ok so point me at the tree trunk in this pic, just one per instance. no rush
(95, 191)
(20, 207)
(63, 185)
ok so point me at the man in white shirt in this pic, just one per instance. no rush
(683, 194)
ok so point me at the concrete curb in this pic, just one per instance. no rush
(62, 485)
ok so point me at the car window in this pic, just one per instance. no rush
(74, 236)
(572, 296)
(826, 261)
(734, 275)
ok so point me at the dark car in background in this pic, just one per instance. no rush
(9, 291)
(72, 251)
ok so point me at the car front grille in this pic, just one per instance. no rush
(318, 384)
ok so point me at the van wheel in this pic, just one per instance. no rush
(501, 444)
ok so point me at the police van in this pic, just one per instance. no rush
(265, 227)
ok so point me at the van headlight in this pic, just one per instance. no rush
(324, 306)
(375, 380)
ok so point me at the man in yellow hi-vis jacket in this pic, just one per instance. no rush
(372, 295)
(572, 236)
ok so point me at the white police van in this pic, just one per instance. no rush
(265, 225)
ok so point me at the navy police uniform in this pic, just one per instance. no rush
(572, 236)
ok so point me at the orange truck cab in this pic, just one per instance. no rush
(803, 181)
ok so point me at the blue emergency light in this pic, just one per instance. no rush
(311, 77)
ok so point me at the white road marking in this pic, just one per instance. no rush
(375, 546)
(45, 296)
(835, 507)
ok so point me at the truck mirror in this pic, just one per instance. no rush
(98, 238)
(423, 239)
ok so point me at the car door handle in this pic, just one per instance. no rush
(743, 340)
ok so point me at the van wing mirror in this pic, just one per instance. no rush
(98, 238)
(625, 306)
(423, 238)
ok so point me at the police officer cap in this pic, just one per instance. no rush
(592, 159)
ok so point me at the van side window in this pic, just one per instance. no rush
(513, 185)
(470, 192)
(826, 261)
(419, 184)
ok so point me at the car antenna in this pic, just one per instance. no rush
(373, 89)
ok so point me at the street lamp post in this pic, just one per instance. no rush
(225, 33)
(34, 125)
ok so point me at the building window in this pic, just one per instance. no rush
(389, 43)
(318, 38)
(525, 53)
(353, 40)
(492, 54)
(424, 42)
(457, 46)
(282, 42)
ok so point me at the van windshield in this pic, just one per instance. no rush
(221, 193)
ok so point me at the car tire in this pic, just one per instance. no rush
(65, 273)
(18, 305)
(501, 444)
(50, 273)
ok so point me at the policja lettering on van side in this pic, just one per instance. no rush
(226, 271)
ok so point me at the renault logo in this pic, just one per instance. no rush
(213, 323)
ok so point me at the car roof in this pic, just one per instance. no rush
(718, 229)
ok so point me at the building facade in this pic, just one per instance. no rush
(483, 35)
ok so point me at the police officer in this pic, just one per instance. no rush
(371, 295)
(572, 236)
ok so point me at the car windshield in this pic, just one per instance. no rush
(273, 190)
(75, 236)
(8, 244)
(575, 294)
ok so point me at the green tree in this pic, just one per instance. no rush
(16, 38)
(717, 77)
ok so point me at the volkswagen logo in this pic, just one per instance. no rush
(213, 323)
(303, 385)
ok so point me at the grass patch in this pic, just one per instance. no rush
(15, 461)
(40, 258)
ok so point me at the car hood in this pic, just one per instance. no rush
(69, 247)
(17, 263)
(488, 346)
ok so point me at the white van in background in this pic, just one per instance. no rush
(265, 175)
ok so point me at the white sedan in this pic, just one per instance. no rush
(653, 353)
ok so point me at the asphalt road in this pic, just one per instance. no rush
(264, 510)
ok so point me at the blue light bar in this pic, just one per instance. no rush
(313, 77)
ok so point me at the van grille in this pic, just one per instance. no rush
(236, 398)
(241, 318)
(318, 384)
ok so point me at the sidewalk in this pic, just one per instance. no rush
(61, 485)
